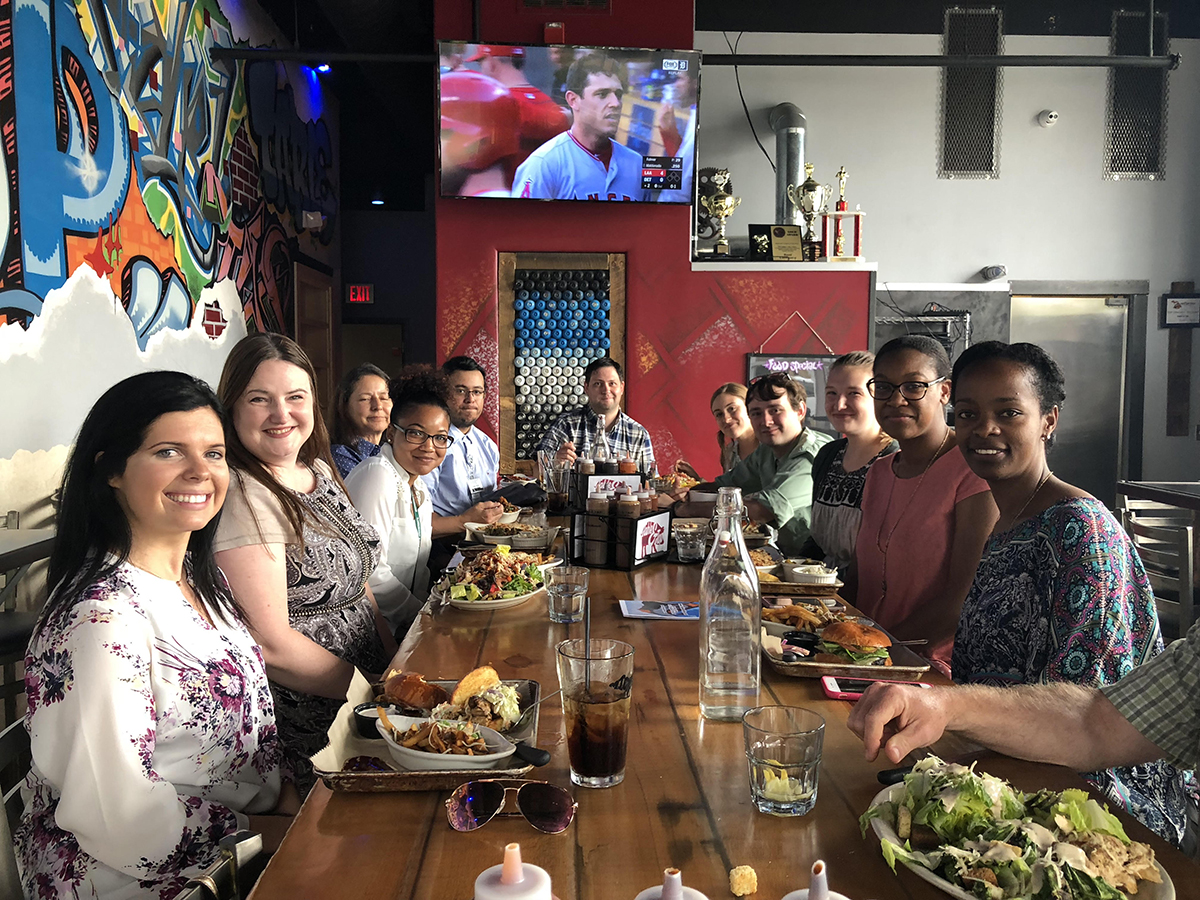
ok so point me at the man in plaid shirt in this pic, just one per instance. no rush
(576, 433)
(1151, 713)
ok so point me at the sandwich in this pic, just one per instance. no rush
(852, 642)
(409, 690)
(481, 699)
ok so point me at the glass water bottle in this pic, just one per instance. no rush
(730, 618)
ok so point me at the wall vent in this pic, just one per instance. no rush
(568, 5)
(1135, 133)
(970, 126)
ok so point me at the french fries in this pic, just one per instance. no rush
(437, 737)
(804, 616)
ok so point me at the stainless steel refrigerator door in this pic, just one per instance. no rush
(1086, 336)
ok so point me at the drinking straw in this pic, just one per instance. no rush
(587, 645)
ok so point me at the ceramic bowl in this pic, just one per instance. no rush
(422, 761)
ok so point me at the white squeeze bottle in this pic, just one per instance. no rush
(671, 889)
(730, 618)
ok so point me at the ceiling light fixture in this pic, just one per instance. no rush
(324, 68)
(377, 198)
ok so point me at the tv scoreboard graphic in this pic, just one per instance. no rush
(662, 173)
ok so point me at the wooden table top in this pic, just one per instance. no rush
(1184, 494)
(685, 800)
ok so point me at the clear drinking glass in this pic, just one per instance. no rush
(567, 587)
(689, 541)
(783, 752)
(596, 678)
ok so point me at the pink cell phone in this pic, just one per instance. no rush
(853, 688)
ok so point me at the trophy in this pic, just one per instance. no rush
(840, 206)
(810, 198)
(834, 224)
(720, 206)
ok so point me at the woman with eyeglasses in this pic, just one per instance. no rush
(389, 492)
(1060, 594)
(925, 515)
(362, 409)
(295, 551)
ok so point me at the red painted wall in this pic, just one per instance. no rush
(687, 332)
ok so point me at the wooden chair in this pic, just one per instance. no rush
(221, 880)
(14, 754)
(1165, 547)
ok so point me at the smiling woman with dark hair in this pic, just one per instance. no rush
(152, 729)
(1060, 594)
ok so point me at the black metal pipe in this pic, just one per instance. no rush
(315, 56)
(825, 59)
(1151, 42)
(476, 21)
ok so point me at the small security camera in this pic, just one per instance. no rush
(1047, 118)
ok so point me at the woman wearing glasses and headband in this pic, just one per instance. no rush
(925, 515)
(295, 552)
(391, 495)
(362, 409)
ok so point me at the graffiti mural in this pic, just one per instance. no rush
(128, 148)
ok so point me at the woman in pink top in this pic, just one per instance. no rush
(925, 515)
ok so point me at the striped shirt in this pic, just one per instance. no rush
(1161, 699)
(582, 428)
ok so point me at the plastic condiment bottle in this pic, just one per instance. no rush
(595, 548)
(671, 889)
(513, 879)
(628, 508)
(644, 501)
(818, 888)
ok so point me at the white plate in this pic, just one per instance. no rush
(438, 593)
(1147, 890)
(423, 761)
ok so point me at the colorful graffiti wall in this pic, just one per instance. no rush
(128, 148)
(152, 201)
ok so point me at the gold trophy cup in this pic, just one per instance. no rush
(720, 207)
(810, 198)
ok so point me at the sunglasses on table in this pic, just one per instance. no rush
(417, 436)
(909, 390)
(547, 807)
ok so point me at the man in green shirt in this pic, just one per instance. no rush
(776, 479)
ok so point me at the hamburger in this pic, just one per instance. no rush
(852, 642)
(481, 699)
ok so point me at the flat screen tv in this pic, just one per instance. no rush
(568, 123)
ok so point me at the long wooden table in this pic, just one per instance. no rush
(685, 800)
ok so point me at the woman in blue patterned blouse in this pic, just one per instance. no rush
(362, 410)
(1060, 593)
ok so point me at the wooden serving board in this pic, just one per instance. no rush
(771, 589)
(345, 743)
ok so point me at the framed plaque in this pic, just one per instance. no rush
(776, 242)
(1179, 311)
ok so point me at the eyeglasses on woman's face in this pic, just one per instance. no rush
(909, 390)
(417, 436)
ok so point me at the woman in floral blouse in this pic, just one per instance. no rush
(151, 722)
(1060, 593)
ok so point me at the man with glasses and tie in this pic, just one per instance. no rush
(776, 479)
(469, 469)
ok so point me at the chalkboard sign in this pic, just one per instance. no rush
(808, 369)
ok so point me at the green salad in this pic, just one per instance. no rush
(994, 842)
(499, 574)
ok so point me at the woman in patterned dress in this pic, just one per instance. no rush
(149, 713)
(296, 553)
(840, 467)
(1060, 594)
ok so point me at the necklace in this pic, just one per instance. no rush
(1029, 499)
(880, 544)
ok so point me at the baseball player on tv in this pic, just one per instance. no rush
(584, 162)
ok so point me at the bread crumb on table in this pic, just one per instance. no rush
(743, 880)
